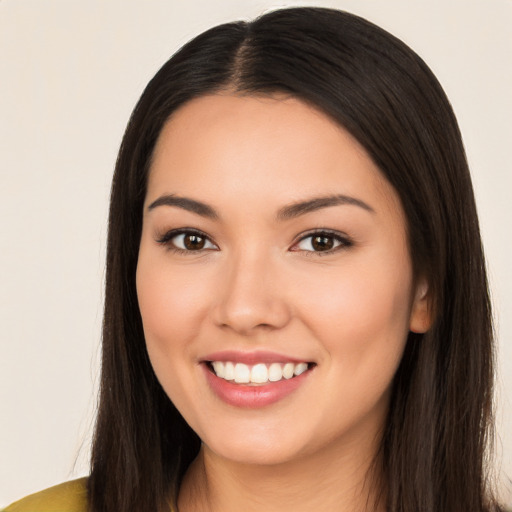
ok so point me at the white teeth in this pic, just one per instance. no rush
(259, 373)
(300, 368)
(242, 373)
(229, 371)
(275, 372)
(219, 369)
(288, 370)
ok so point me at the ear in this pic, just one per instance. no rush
(421, 311)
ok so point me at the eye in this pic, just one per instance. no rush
(323, 242)
(186, 241)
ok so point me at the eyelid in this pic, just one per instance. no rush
(343, 240)
(167, 236)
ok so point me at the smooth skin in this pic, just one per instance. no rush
(251, 282)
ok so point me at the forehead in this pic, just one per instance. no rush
(278, 148)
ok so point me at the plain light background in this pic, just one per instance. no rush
(70, 74)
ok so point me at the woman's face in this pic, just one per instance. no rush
(271, 246)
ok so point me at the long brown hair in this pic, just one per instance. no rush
(435, 441)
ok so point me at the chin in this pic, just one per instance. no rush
(265, 446)
(253, 455)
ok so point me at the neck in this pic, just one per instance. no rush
(339, 480)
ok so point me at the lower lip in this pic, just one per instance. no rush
(253, 397)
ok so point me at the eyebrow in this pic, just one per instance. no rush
(287, 212)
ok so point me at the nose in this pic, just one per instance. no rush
(251, 298)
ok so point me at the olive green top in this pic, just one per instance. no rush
(67, 497)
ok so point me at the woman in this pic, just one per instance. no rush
(296, 311)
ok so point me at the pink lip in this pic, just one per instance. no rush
(252, 397)
(252, 358)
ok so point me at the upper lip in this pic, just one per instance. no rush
(251, 358)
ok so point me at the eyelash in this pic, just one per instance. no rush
(344, 241)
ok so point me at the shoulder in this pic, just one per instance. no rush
(67, 497)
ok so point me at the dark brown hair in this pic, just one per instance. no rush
(435, 441)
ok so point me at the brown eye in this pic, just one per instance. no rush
(323, 242)
(186, 241)
(193, 242)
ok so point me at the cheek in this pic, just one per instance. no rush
(363, 321)
(171, 306)
(169, 303)
(363, 326)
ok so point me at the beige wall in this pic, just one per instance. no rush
(71, 71)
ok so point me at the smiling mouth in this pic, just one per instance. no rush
(257, 374)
